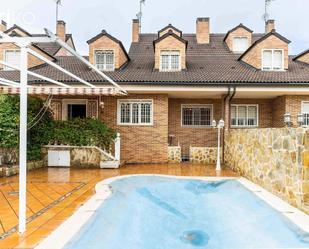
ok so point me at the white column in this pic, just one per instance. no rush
(218, 166)
(23, 139)
(117, 147)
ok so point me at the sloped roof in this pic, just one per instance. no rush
(237, 27)
(301, 54)
(170, 26)
(170, 33)
(104, 33)
(273, 32)
(207, 64)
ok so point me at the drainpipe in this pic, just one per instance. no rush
(229, 115)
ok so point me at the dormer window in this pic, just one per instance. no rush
(240, 44)
(272, 59)
(104, 60)
(12, 57)
(170, 61)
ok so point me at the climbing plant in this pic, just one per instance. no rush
(76, 132)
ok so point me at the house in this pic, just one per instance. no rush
(177, 84)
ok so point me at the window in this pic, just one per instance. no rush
(12, 57)
(74, 108)
(76, 111)
(104, 60)
(240, 44)
(244, 115)
(305, 112)
(272, 59)
(135, 112)
(170, 61)
(196, 115)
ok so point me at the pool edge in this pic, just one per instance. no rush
(65, 232)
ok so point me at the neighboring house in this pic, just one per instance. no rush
(178, 83)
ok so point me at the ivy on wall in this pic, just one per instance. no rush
(76, 132)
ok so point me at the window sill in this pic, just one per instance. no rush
(145, 125)
(244, 127)
(197, 126)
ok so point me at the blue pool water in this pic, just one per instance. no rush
(151, 212)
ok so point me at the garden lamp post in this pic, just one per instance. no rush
(219, 127)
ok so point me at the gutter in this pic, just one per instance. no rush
(229, 116)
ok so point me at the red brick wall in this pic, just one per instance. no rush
(141, 144)
(187, 136)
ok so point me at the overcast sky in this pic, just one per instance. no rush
(86, 18)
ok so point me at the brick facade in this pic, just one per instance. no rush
(254, 56)
(141, 144)
(170, 43)
(105, 43)
(304, 58)
(194, 136)
(239, 32)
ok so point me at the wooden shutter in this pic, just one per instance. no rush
(92, 108)
(56, 107)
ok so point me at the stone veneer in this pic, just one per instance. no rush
(80, 157)
(174, 154)
(207, 155)
(11, 170)
(277, 159)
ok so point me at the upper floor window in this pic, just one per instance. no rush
(135, 112)
(240, 44)
(244, 115)
(196, 115)
(272, 59)
(170, 61)
(104, 60)
(12, 57)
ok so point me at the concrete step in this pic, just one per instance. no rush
(109, 165)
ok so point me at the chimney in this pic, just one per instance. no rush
(269, 26)
(135, 30)
(61, 33)
(3, 26)
(202, 30)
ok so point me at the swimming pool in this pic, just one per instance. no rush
(153, 212)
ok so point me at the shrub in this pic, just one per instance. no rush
(76, 132)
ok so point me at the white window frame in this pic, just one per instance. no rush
(170, 53)
(5, 57)
(235, 51)
(66, 102)
(245, 105)
(200, 106)
(140, 101)
(272, 59)
(104, 50)
(302, 112)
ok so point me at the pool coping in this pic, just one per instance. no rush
(66, 231)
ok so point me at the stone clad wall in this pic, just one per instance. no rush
(277, 159)
(207, 155)
(174, 154)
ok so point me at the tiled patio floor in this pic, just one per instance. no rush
(54, 194)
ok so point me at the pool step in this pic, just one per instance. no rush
(109, 164)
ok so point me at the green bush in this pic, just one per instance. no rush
(82, 132)
(76, 132)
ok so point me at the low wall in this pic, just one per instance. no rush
(174, 154)
(277, 159)
(80, 157)
(11, 170)
(207, 155)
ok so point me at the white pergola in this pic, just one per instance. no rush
(22, 87)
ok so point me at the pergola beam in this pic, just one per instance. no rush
(36, 75)
(59, 68)
(81, 58)
(8, 82)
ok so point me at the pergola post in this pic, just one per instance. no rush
(23, 138)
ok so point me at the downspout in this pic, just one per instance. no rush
(229, 116)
